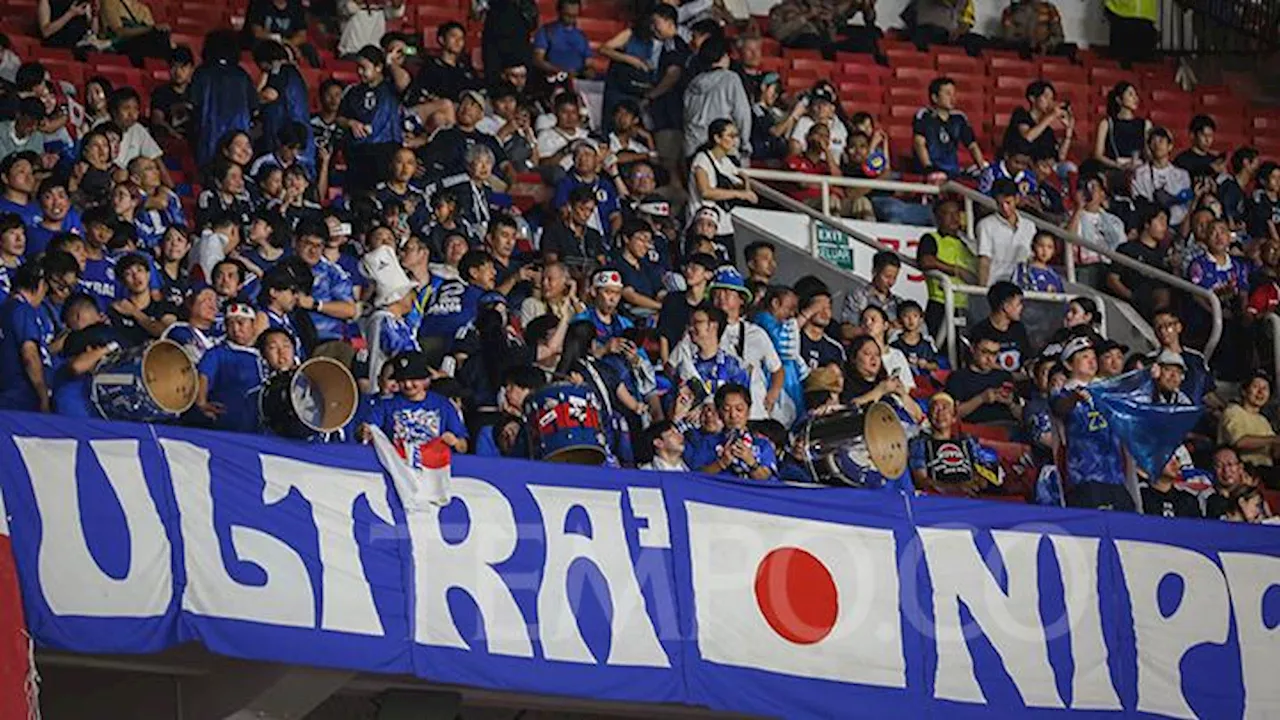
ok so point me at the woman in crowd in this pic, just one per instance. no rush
(1121, 136)
(715, 179)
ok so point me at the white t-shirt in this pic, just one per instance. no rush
(839, 134)
(759, 359)
(705, 161)
(896, 365)
(1102, 228)
(553, 140)
(1170, 178)
(137, 142)
(1006, 246)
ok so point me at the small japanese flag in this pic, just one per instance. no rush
(796, 596)
(420, 480)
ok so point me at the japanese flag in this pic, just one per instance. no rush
(420, 473)
(794, 596)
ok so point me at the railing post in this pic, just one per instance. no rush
(1274, 321)
(1215, 333)
(813, 237)
(826, 196)
(1069, 256)
(968, 217)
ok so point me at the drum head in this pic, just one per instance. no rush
(170, 376)
(324, 394)
(581, 455)
(886, 440)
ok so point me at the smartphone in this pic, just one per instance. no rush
(410, 50)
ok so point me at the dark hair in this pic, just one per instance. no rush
(774, 293)
(582, 194)
(873, 308)
(749, 253)
(98, 215)
(473, 260)
(10, 221)
(1114, 102)
(1264, 170)
(732, 388)
(131, 260)
(276, 280)
(712, 50)
(539, 329)
(49, 184)
(1001, 293)
(1241, 156)
(936, 85)
(373, 55)
(27, 276)
(261, 343)
(269, 51)
(29, 75)
(855, 347)
(239, 268)
(331, 82)
(859, 117)
(907, 305)
(220, 168)
(1090, 308)
(502, 219)
(6, 165)
(713, 313)
(560, 4)
(578, 340)
(666, 12)
(884, 259)
(503, 90)
(121, 96)
(445, 28)
(525, 376)
(311, 228)
(59, 262)
(221, 46)
(1038, 88)
(809, 287)
(1201, 122)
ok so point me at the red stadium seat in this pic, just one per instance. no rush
(910, 58)
(1109, 77)
(799, 54)
(1058, 74)
(960, 64)
(775, 64)
(999, 433)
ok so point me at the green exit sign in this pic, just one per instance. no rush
(834, 247)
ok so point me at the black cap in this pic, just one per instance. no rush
(181, 55)
(1108, 345)
(706, 260)
(411, 366)
(31, 107)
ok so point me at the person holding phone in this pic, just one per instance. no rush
(983, 391)
(67, 23)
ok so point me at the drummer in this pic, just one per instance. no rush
(196, 334)
(136, 316)
(229, 372)
(415, 416)
(738, 451)
(90, 340)
(943, 460)
(277, 299)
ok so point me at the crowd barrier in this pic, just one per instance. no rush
(634, 586)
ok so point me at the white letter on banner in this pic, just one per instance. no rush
(1011, 622)
(346, 600)
(469, 565)
(1203, 616)
(285, 599)
(1091, 686)
(70, 579)
(1249, 577)
(634, 640)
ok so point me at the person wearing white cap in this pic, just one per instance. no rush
(1169, 371)
(1095, 460)
(585, 172)
(229, 371)
(387, 332)
(606, 289)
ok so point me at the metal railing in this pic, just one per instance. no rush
(1069, 238)
(972, 198)
(1273, 320)
(1219, 27)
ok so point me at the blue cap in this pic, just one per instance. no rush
(728, 278)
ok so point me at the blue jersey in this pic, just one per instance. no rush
(233, 372)
(1029, 277)
(453, 306)
(379, 108)
(761, 448)
(99, 280)
(285, 322)
(331, 283)
(38, 236)
(6, 281)
(1093, 449)
(30, 212)
(21, 323)
(715, 372)
(396, 335)
(197, 342)
(224, 97)
(409, 423)
(290, 107)
(1231, 279)
(943, 138)
(605, 330)
(150, 226)
(923, 350)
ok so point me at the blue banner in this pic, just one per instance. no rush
(642, 587)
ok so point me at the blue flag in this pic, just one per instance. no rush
(1150, 432)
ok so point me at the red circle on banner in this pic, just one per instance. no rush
(797, 595)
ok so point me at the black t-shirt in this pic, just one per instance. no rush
(1262, 209)
(443, 80)
(1215, 506)
(283, 22)
(1174, 503)
(1015, 344)
(175, 105)
(855, 386)
(446, 154)
(823, 351)
(1195, 164)
(1150, 256)
(130, 332)
(965, 384)
(673, 318)
(559, 239)
(1047, 143)
(667, 109)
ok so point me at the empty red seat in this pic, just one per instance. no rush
(799, 54)
(1057, 74)
(917, 76)
(909, 58)
(951, 64)
(774, 64)
(813, 68)
(906, 95)
(1109, 77)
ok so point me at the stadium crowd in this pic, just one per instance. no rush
(384, 230)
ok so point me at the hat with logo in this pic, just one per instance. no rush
(727, 277)
(607, 278)
(1169, 357)
(411, 366)
(240, 310)
(1075, 345)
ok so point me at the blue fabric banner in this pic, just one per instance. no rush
(642, 587)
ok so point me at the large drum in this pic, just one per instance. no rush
(858, 447)
(319, 396)
(151, 383)
(564, 425)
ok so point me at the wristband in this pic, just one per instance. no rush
(320, 306)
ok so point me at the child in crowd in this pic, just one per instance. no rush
(1034, 273)
(912, 342)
